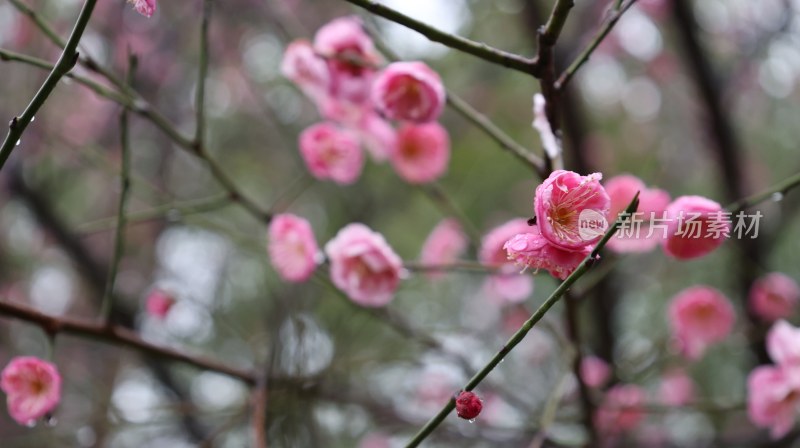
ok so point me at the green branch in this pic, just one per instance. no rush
(65, 63)
(526, 327)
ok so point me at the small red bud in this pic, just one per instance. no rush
(468, 405)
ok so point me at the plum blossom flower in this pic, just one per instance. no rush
(677, 388)
(508, 286)
(445, 244)
(331, 153)
(159, 302)
(774, 296)
(772, 401)
(351, 57)
(363, 265)
(422, 152)
(621, 410)
(144, 7)
(699, 317)
(408, 91)
(32, 387)
(653, 202)
(696, 226)
(594, 371)
(783, 344)
(292, 247)
(307, 69)
(559, 203)
(534, 251)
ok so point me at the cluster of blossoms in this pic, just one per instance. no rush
(340, 72)
(362, 264)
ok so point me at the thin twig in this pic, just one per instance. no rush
(119, 336)
(202, 74)
(65, 63)
(481, 50)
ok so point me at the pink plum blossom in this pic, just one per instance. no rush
(307, 69)
(508, 286)
(772, 401)
(145, 7)
(363, 265)
(444, 245)
(653, 202)
(32, 387)
(676, 388)
(559, 203)
(409, 91)
(699, 317)
(292, 247)
(621, 410)
(351, 57)
(331, 153)
(695, 227)
(774, 296)
(594, 371)
(422, 152)
(159, 302)
(534, 251)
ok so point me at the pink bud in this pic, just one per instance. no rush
(331, 153)
(292, 248)
(468, 405)
(409, 91)
(159, 302)
(422, 152)
(33, 388)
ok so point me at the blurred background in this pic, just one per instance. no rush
(340, 376)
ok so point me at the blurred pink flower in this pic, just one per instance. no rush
(378, 136)
(696, 226)
(772, 402)
(621, 410)
(509, 286)
(774, 296)
(363, 265)
(308, 70)
(375, 440)
(563, 201)
(444, 245)
(422, 152)
(351, 57)
(292, 247)
(699, 317)
(408, 91)
(783, 345)
(534, 251)
(145, 7)
(652, 203)
(677, 388)
(331, 153)
(594, 371)
(32, 387)
(158, 303)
